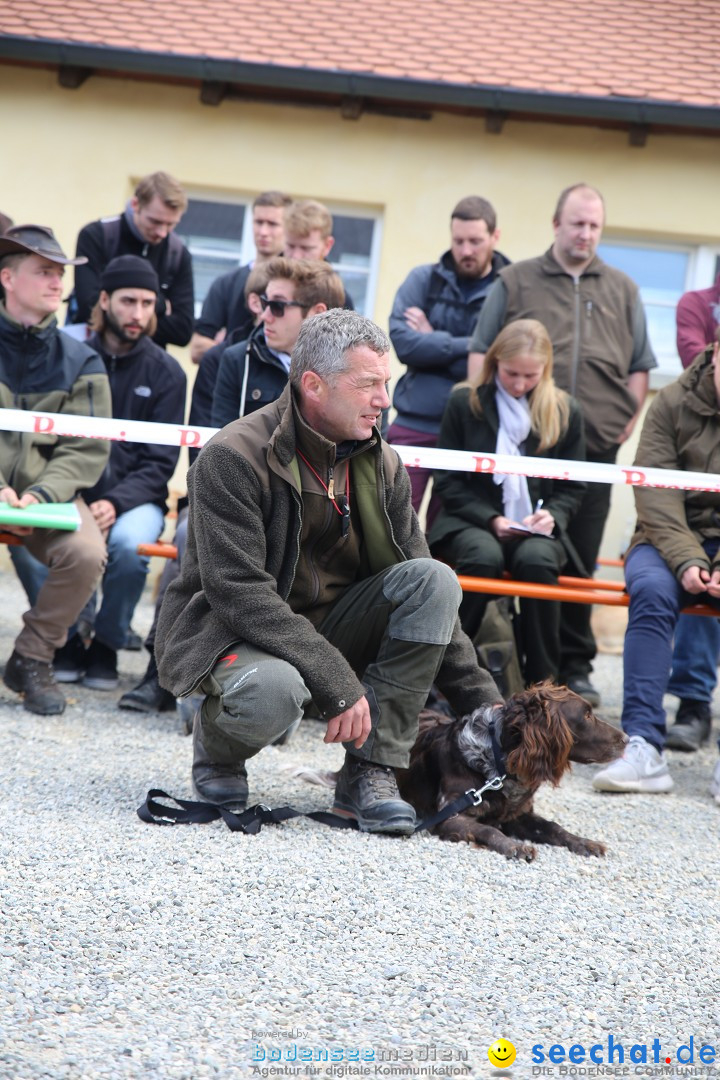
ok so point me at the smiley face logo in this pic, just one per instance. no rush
(501, 1053)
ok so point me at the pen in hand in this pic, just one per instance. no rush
(538, 505)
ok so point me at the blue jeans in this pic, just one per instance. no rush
(124, 577)
(656, 598)
(695, 658)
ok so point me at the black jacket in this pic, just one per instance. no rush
(173, 329)
(249, 376)
(224, 306)
(146, 384)
(473, 498)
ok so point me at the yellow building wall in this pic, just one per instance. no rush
(70, 156)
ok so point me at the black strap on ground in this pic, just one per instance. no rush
(251, 821)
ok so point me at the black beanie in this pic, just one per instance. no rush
(129, 272)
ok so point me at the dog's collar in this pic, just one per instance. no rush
(498, 755)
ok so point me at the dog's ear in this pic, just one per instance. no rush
(539, 735)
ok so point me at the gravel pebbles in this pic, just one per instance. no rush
(189, 952)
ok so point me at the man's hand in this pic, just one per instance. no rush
(9, 496)
(354, 724)
(417, 320)
(104, 514)
(628, 429)
(713, 585)
(695, 580)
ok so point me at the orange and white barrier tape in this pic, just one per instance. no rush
(95, 427)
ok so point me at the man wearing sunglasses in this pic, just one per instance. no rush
(306, 579)
(254, 372)
(246, 377)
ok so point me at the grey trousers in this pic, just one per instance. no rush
(392, 628)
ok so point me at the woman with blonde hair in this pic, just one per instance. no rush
(491, 522)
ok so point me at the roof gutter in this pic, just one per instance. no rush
(342, 84)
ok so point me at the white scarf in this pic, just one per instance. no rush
(514, 417)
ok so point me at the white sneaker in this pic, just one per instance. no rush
(715, 782)
(641, 768)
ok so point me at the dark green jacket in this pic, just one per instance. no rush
(242, 552)
(44, 370)
(681, 431)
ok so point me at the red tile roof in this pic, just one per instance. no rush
(653, 50)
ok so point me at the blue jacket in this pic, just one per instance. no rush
(435, 361)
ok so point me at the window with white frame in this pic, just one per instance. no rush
(218, 233)
(663, 272)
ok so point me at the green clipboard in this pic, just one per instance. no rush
(41, 516)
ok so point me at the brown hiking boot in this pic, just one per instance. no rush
(36, 681)
(369, 793)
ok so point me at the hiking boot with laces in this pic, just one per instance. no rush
(642, 768)
(369, 793)
(36, 681)
(692, 726)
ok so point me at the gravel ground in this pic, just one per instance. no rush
(190, 952)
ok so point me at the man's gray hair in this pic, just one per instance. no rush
(326, 339)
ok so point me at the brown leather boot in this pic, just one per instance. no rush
(36, 681)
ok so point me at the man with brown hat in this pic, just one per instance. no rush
(43, 370)
(128, 501)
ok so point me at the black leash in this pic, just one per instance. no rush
(251, 821)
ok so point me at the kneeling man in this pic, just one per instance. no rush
(306, 578)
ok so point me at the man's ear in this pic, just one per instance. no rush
(104, 300)
(329, 241)
(312, 387)
(134, 204)
(316, 309)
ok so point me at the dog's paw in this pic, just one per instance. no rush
(581, 846)
(522, 852)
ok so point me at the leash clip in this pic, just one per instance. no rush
(477, 793)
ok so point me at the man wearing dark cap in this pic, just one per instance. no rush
(42, 370)
(128, 501)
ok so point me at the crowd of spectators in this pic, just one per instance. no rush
(547, 357)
